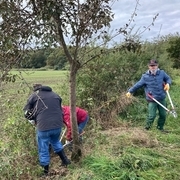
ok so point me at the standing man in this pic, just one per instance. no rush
(82, 119)
(155, 82)
(44, 106)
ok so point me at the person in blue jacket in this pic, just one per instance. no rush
(155, 82)
(44, 106)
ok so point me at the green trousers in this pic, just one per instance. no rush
(152, 109)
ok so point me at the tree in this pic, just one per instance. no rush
(56, 59)
(50, 23)
(38, 59)
(174, 50)
(75, 25)
(9, 53)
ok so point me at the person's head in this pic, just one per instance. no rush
(153, 65)
(36, 87)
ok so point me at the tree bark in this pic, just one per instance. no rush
(76, 153)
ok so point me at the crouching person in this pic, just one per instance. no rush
(82, 119)
(45, 106)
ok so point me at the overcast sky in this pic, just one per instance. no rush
(168, 21)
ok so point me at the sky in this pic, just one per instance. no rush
(167, 22)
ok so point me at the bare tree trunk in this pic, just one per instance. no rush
(75, 134)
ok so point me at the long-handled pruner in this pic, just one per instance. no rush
(63, 134)
(169, 111)
(173, 109)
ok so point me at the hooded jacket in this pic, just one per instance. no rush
(153, 84)
(81, 117)
(46, 106)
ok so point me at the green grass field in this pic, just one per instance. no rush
(58, 80)
(46, 77)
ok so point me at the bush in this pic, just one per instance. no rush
(103, 83)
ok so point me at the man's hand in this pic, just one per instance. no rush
(67, 142)
(29, 114)
(128, 95)
(32, 122)
(166, 87)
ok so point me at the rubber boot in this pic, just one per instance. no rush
(45, 171)
(65, 160)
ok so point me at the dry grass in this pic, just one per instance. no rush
(108, 111)
(135, 136)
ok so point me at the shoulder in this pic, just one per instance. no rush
(145, 74)
(80, 110)
(32, 96)
(66, 109)
(161, 71)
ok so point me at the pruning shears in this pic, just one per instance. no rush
(173, 109)
(173, 112)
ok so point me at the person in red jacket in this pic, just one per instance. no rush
(82, 119)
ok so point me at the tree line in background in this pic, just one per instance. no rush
(54, 58)
(50, 58)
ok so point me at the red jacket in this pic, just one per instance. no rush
(81, 117)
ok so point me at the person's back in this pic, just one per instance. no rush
(82, 119)
(49, 114)
(81, 114)
(47, 108)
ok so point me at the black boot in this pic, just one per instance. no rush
(65, 160)
(45, 171)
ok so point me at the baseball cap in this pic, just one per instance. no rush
(153, 62)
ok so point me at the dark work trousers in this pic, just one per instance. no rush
(152, 109)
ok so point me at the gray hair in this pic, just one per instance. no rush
(36, 87)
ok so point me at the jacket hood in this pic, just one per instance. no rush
(45, 88)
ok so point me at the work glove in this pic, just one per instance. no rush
(166, 87)
(29, 114)
(128, 95)
(68, 142)
(32, 122)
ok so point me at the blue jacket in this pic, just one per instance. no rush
(153, 84)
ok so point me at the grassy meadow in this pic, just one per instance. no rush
(49, 77)
(125, 152)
